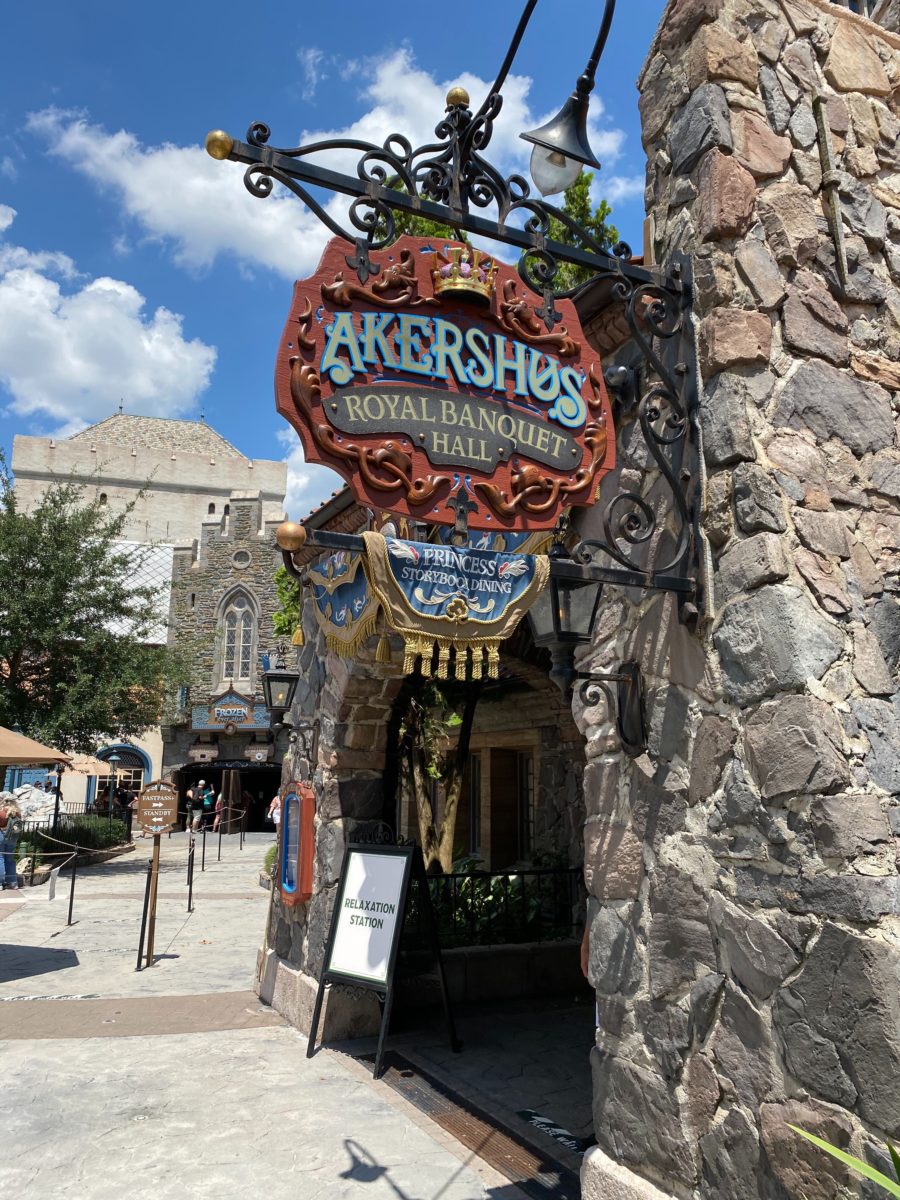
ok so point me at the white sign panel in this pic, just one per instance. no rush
(370, 909)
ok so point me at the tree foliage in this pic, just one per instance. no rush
(74, 663)
(429, 754)
(288, 612)
(577, 205)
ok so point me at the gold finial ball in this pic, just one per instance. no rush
(457, 97)
(219, 144)
(290, 536)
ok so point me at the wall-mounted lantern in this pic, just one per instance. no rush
(562, 620)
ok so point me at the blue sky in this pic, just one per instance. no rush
(134, 267)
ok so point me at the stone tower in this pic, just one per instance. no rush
(749, 978)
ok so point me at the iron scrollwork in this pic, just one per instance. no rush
(663, 408)
(445, 180)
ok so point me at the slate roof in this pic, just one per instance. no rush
(128, 430)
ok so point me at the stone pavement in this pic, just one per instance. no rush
(175, 1081)
(518, 1055)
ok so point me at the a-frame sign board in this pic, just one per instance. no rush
(364, 938)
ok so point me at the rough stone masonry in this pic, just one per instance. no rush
(749, 975)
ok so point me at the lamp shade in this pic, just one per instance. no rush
(561, 147)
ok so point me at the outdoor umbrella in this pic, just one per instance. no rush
(16, 750)
(89, 764)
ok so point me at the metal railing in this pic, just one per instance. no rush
(495, 908)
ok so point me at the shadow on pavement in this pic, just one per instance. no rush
(365, 1168)
(21, 962)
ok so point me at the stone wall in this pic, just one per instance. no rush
(744, 935)
(171, 487)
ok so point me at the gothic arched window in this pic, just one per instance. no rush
(238, 627)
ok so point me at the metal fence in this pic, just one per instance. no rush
(495, 908)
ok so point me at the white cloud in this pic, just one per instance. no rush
(308, 484)
(180, 195)
(70, 353)
(8, 168)
(622, 187)
(311, 60)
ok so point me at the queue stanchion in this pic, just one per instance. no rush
(190, 878)
(140, 953)
(203, 847)
(72, 888)
(219, 856)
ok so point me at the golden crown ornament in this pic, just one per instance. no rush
(466, 273)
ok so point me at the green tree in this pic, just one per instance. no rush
(75, 666)
(430, 753)
(577, 205)
(288, 613)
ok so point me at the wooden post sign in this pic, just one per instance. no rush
(438, 384)
(157, 812)
(157, 808)
(364, 938)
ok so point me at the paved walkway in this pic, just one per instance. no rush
(174, 1081)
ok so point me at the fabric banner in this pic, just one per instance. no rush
(344, 606)
(447, 598)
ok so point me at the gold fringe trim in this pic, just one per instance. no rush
(466, 655)
(298, 637)
(361, 634)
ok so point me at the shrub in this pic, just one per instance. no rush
(87, 832)
(269, 862)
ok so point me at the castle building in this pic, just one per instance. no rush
(198, 526)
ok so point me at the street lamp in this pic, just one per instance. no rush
(113, 760)
(562, 619)
(279, 686)
(60, 767)
(561, 147)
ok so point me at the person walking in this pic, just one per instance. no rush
(220, 811)
(209, 805)
(195, 798)
(274, 813)
(10, 832)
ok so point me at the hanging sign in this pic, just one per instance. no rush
(446, 598)
(439, 384)
(343, 604)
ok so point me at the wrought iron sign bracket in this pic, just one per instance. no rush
(628, 702)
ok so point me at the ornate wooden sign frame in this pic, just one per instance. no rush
(437, 385)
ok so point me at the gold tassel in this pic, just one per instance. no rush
(383, 653)
(461, 656)
(494, 662)
(477, 662)
(409, 657)
(298, 638)
(443, 659)
(427, 648)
